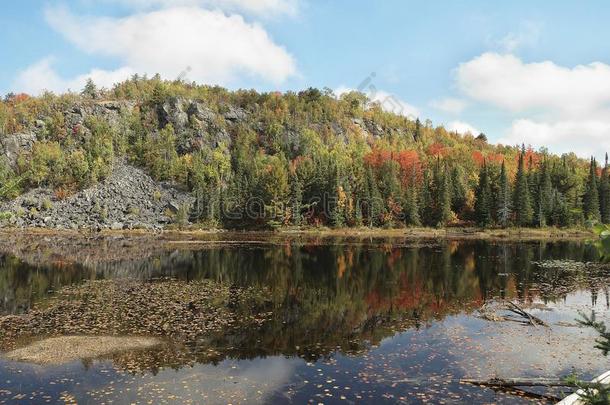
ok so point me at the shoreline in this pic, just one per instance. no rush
(508, 234)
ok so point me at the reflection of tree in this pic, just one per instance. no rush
(345, 294)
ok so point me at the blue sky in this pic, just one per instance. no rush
(520, 71)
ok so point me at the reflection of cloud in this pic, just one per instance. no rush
(245, 381)
(506, 349)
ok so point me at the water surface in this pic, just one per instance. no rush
(354, 321)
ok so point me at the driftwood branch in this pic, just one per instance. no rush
(521, 312)
(526, 382)
(523, 316)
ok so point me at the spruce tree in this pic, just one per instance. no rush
(411, 206)
(604, 194)
(482, 205)
(296, 199)
(458, 189)
(545, 196)
(504, 210)
(590, 201)
(441, 195)
(425, 199)
(521, 195)
(374, 203)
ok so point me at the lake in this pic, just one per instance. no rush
(344, 320)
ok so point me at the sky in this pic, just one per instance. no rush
(533, 72)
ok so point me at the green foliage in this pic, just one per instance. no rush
(483, 203)
(595, 393)
(603, 244)
(590, 201)
(604, 194)
(306, 158)
(504, 207)
(521, 197)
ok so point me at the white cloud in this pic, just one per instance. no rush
(462, 127)
(214, 47)
(584, 137)
(208, 45)
(507, 82)
(388, 102)
(562, 108)
(528, 34)
(42, 76)
(449, 105)
(262, 8)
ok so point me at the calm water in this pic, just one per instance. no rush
(355, 321)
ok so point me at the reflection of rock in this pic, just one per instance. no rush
(64, 349)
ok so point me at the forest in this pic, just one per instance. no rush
(309, 158)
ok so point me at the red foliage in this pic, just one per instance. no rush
(438, 150)
(378, 157)
(408, 160)
(478, 157)
(531, 158)
(497, 158)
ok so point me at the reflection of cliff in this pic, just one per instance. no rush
(323, 296)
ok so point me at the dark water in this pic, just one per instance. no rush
(373, 321)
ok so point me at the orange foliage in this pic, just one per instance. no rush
(478, 157)
(495, 158)
(408, 160)
(438, 150)
(531, 158)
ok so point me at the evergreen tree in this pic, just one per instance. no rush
(590, 201)
(482, 206)
(458, 189)
(90, 89)
(411, 206)
(504, 210)
(296, 199)
(560, 215)
(418, 131)
(604, 194)
(336, 207)
(521, 195)
(545, 196)
(425, 200)
(374, 203)
(441, 195)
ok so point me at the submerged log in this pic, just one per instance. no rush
(519, 382)
(514, 308)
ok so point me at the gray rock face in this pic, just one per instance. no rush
(128, 199)
(12, 145)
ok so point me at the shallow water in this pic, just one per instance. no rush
(354, 321)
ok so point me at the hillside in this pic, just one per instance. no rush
(148, 153)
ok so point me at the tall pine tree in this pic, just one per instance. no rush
(482, 205)
(545, 195)
(504, 210)
(411, 205)
(521, 195)
(590, 200)
(604, 194)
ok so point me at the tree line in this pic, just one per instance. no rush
(300, 158)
